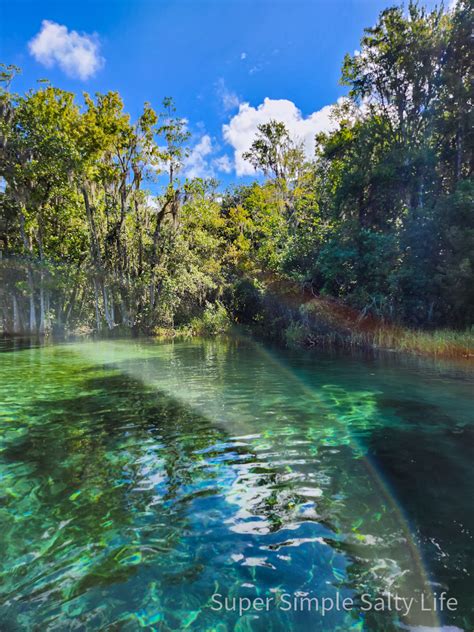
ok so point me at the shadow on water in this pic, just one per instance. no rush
(427, 459)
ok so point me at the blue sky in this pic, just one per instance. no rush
(219, 59)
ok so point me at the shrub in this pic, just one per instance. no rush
(214, 320)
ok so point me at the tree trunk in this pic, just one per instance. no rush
(96, 305)
(29, 273)
(42, 324)
(16, 316)
(108, 308)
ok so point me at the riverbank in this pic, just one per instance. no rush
(443, 343)
(293, 315)
(280, 310)
(324, 323)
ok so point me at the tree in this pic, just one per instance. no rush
(275, 153)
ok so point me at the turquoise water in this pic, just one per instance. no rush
(139, 479)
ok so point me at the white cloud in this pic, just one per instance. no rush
(202, 162)
(230, 101)
(223, 163)
(196, 165)
(243, 56)
(77, 55)
(242, 128)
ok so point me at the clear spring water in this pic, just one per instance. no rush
(137, 479)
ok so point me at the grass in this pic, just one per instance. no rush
(440, 342)
(324, 321)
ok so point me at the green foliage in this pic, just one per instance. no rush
(455, 271)
(275, 153)
(380, 218)
(76, 213)
(214, 320)
(391, 175)
(296, 334)
(244, 300)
